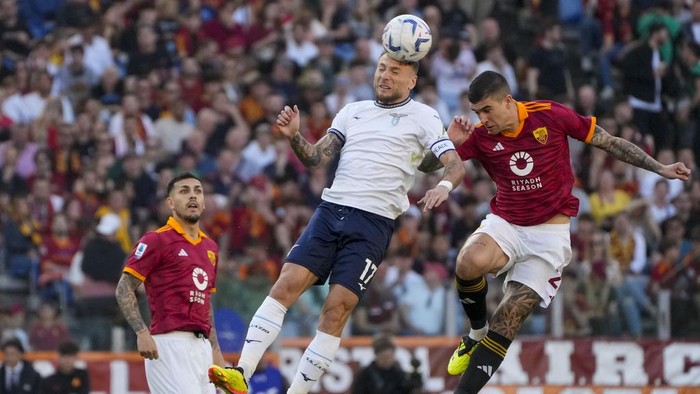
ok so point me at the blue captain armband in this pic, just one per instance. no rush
(441, 146)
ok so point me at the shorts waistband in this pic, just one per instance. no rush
(183, 334)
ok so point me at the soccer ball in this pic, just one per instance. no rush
(407, 38)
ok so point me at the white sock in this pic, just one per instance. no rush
(479, 334)
(316, 360)
(262, 331)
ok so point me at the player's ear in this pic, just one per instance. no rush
(169, 202)
(412, 83)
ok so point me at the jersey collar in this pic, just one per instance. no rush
(389, 106)
(175, 225)
(522, 115)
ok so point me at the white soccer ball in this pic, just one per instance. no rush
(407, 38)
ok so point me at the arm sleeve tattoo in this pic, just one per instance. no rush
(128, 304)
(316, 155)
(624, 150)
(430, 163)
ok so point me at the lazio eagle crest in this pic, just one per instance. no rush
(212, 257)
(540, 134)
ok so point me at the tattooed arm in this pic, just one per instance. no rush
(215, 348)
(632, 154)
(126, 298)
(314, 156)
(517, 304)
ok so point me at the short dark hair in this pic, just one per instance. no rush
(184, 175)
(13, 342)
(68, 348)
(382, 342)
(488, 83)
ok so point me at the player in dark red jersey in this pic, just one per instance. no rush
(523, 147)
(177, 265)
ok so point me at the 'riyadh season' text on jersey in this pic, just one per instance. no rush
(382, 147)
(531, 165)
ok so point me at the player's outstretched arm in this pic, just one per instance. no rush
(126, 298)
(218, 356)
(454, 172)
(310, 155)
(632, 154)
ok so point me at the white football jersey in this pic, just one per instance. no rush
(382, 148)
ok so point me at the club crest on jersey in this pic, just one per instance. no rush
(212, 257)
(540, 134)
(396, 117)
(140, 250)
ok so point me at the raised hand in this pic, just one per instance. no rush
(460, 129)
(675, 171)
(288, 121)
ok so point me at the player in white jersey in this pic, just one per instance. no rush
(380, 144)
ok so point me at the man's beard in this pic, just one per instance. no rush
(191, 218)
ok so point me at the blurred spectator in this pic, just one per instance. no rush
(130, 128)
(48, 329)
(56, 252)
(495, 60)
(21, 237)
(644, 70)
(25, 150)
(341, 94)
(384, 374)
(67, 378)
(17, 375)
(660, 205)
(94, 274)
(608, 200)
(14, 32)
(98, 54)
(378, 310)
(301, 48)
(14, 325)
(453, 68)
(548, 75)
(75, 80)
(267, 379)
(424, 310)
(430, 97)
(631, 278)
(117, 204)
(259, 153)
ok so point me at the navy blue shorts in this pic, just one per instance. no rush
(344, 244)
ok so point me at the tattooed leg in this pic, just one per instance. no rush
(517, 304)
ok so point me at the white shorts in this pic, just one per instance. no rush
(537, 254)
(182, 365)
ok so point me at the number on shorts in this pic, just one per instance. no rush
(555, 281)
(369, 265)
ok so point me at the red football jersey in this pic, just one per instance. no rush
(531, 165)
(179, 274)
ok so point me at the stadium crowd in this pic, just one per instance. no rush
(104, 101)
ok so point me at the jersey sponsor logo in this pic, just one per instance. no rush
(200, 278)
(140, 250)
(182, 253)
(212, 257)
(498, 147)
(540, 134)
(396, 117)
(521, 163)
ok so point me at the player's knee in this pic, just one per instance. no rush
(473, 262)
(285, 292)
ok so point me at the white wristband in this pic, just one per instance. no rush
(447, 184)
